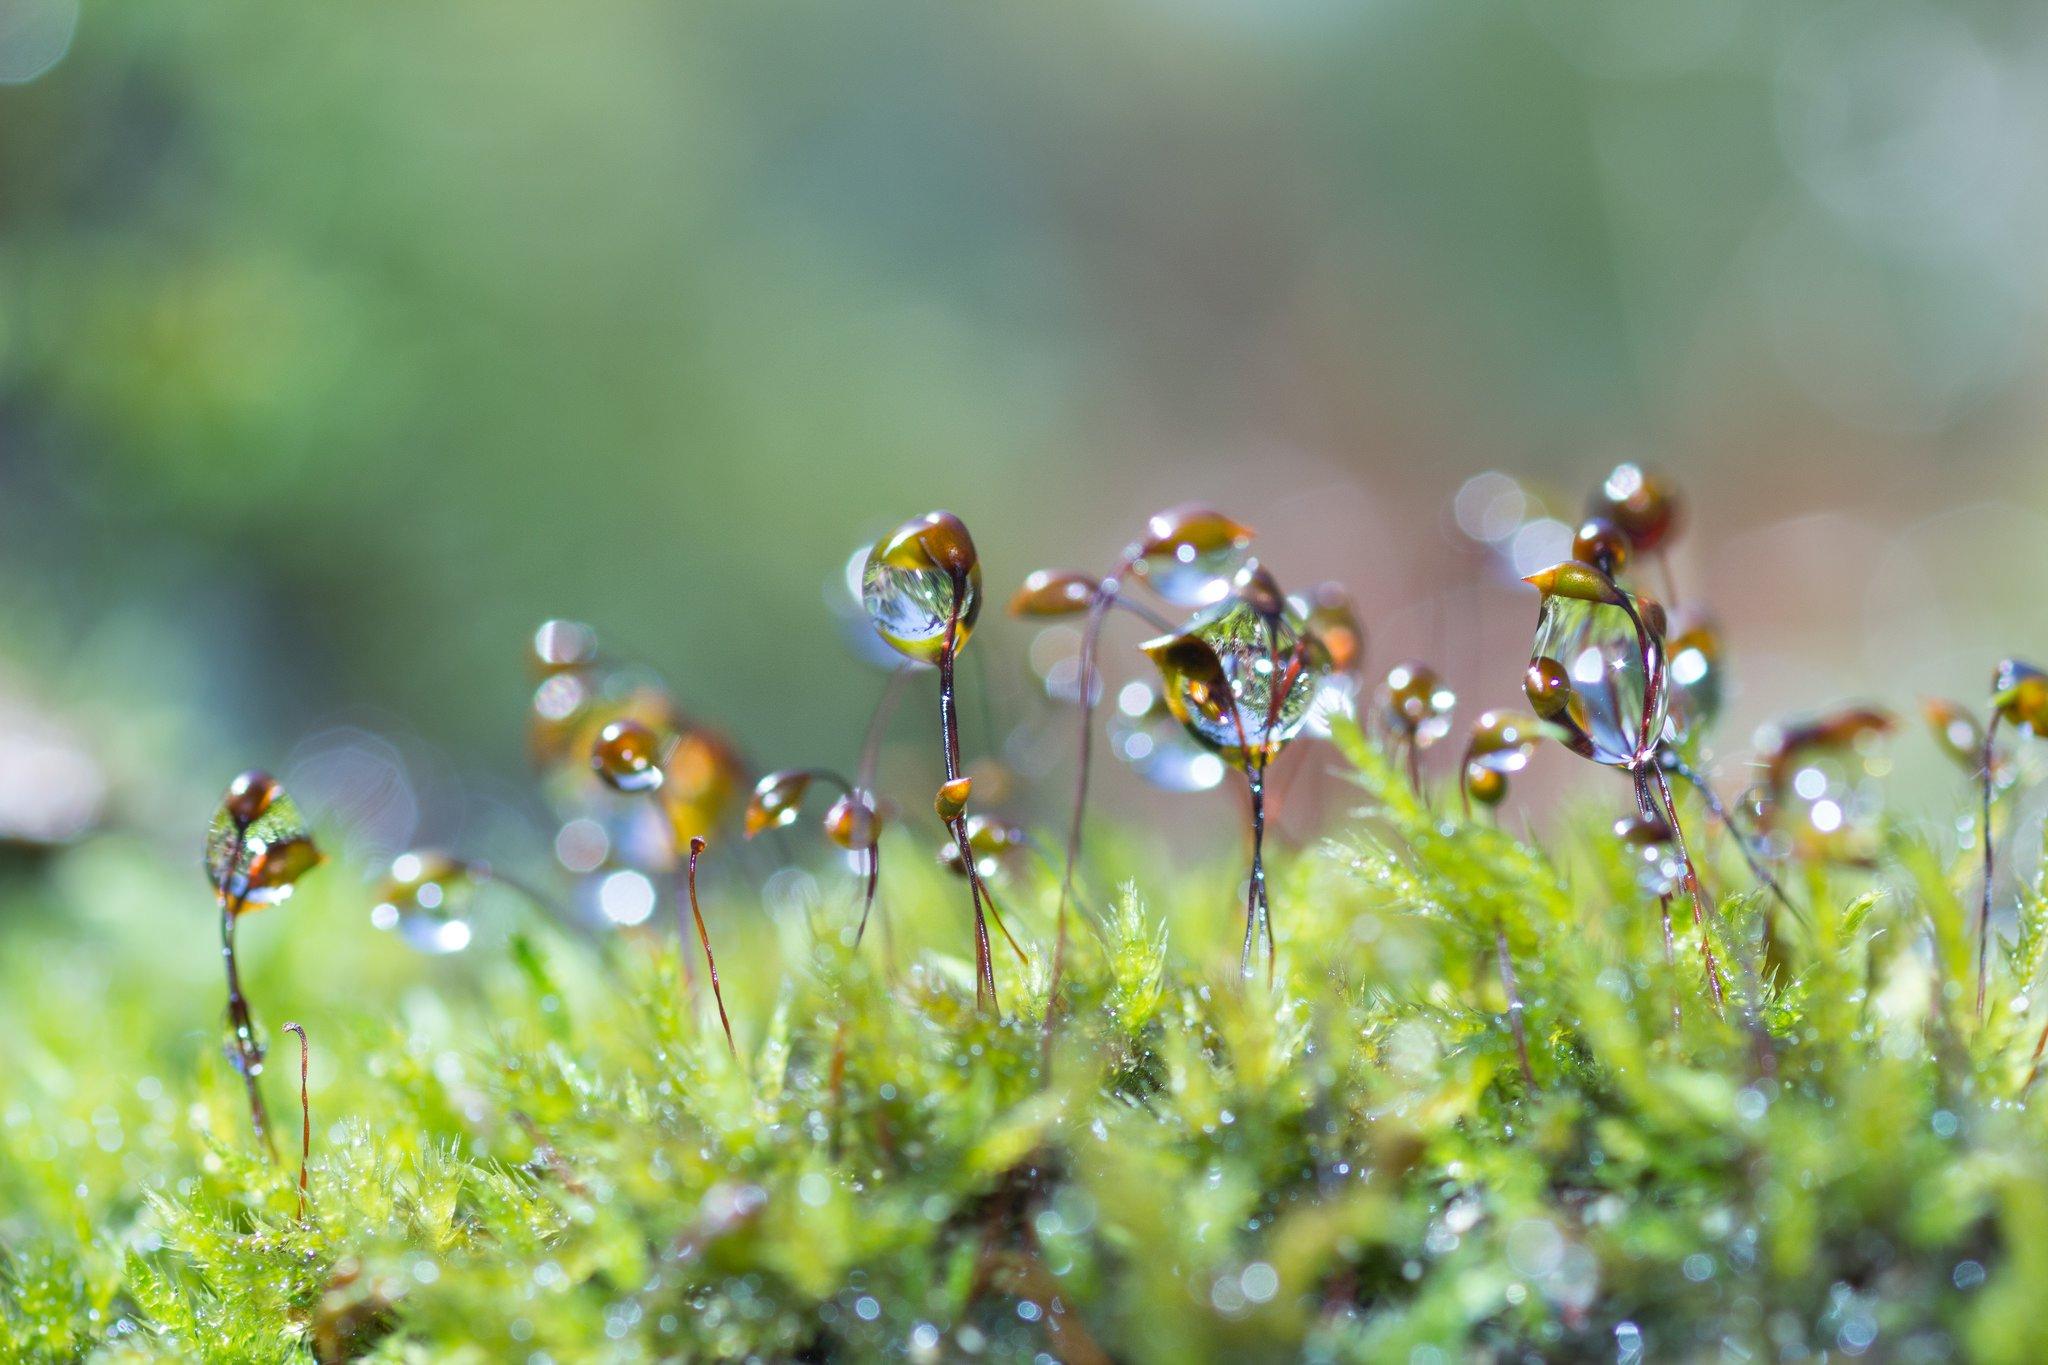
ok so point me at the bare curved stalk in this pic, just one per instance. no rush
(305, 1117)
(704, 937)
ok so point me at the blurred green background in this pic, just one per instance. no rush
(341, 344)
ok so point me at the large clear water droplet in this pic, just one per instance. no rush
(911, 608)
(1243, 681)
(1596, 646)
(1188, 575)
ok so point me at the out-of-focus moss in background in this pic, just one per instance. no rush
(339, 344)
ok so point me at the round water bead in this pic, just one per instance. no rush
(1190, 556)
(1652, 854)
(425, 897)
(1416, 705)
(1591, 661)
(1335, 621)
(1144, 734)
(627, 756)
(922, 583)
(1243, 675)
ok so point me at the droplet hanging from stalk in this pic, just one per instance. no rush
(1241, 678)
(1653, 856)
(1596, 674)
(922, 590)
(1694, 683)
(1596, 669)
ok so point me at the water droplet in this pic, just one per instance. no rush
(627, 756)
(426, 897)
(1415, 704)
(1590, 661)
(258, 845)
(919, 582)
(1242, 675)
(1191, 555)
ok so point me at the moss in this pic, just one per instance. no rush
(543, 1152)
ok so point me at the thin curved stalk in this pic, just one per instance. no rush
(241, 1023)
(704, 937)
(1647, 808)
(1984, 907)
(1719, 811)
(1256, 911)
(305, 1116)
(949, 725)
(864, 780)
(1696, 893)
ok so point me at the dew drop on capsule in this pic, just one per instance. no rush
(1594, 647)
(911, 579)
(628, 757)
(1191, 555)
(1243, 680)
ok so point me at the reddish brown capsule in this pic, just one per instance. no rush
(1638, 502)
(249, 796)
(1958, 732)
(1602, 544)
(1054, 592)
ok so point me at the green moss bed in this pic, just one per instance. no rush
(541, 1151)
